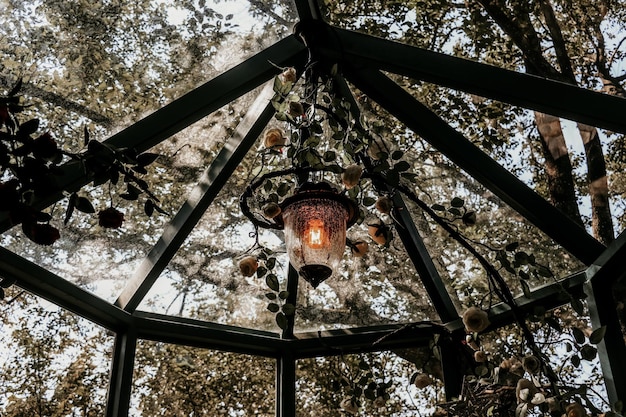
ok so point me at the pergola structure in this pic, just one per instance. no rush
(363, 60)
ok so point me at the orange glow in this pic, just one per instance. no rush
(314, 236)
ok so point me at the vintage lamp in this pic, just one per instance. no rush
(315, 220)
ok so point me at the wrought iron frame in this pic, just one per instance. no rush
(362, 59)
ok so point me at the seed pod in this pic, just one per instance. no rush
(351, 176)
(248, 266)
(384, 204)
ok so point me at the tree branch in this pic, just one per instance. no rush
(523, 34)
(557, 39)
(58, 100)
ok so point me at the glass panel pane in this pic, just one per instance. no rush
(184, 381)
(52, 362)
(203, 280)
(102, 260)
(563, 339)
(108, 64)
(555, 165)
(369, 384)
(381, 287)
(440, 194)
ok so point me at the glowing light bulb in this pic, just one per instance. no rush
(314, 234)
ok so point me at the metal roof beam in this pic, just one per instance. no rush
(211, 182)
(474, 161)
(189, 332)
(47, 285)
(528, 91)
(308, 10)
(417, 251)
(184, 331)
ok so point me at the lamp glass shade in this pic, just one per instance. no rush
(315, 236)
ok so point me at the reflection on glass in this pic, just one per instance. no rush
(185, 381)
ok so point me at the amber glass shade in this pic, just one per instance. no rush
(315, 233)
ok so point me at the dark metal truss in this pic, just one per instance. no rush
(362, 59)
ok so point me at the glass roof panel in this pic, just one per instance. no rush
(203, 281)
(108, 64)
(119, 252)
(493, 35)
(450, 194)
(510, 136)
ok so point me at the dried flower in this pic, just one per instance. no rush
(575, 410)
(110, 218)
(525, 390)
(271, 210)
(296, 109)
(41, 233)
(384, 205)
(475, 320)
(379, 402)
(422, 381)
(349, 405)
(288, 75)
(44, 147)
(248, 266)
(351, 175)
(480, 356)
(538, 398)
(274, 137)
(379, 232)
(359, 248)
(531, 364)
(513, 366)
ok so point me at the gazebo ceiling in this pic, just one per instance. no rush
(364, 62)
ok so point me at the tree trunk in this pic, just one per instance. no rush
(601, 220)
(558, 166)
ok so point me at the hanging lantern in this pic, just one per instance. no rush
(315, 221)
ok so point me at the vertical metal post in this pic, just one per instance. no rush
(286, 385)
(286, 366)
(120, 384)
(451, 367)
(611, 350)
(601, 278)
